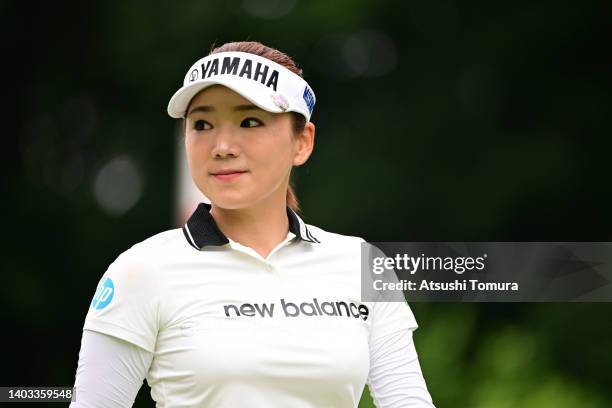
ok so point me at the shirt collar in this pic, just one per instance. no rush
(201, 229)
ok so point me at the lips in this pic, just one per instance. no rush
(227, 174)
(224, 172)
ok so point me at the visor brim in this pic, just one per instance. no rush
(177, 106)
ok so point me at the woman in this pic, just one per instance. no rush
(245, 305)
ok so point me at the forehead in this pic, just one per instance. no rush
(218, 95)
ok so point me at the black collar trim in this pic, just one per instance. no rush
(201, 229)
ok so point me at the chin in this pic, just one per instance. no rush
(228, 206)
(229, 202)
(236, 199)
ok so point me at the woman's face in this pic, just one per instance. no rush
(240, 155)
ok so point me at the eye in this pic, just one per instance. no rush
(201, 124)
(251, 122)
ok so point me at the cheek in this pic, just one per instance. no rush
(195, 151)
(275, 149)
(195, 145)
(275, 156)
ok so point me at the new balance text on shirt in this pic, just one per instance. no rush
(291, 309)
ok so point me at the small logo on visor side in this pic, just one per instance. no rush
(309, 99)
(280, 101)
(193, 75)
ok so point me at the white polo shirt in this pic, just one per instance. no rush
(229, 327)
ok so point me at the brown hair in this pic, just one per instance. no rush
(257, 48)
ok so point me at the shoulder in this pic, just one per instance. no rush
(151, 248)
(136, 269)
(333, 238)
(164, 241)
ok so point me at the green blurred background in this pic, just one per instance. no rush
(436, 121)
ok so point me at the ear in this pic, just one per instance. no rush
(305, 144)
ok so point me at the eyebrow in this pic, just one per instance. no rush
(237, 108)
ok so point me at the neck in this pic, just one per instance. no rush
(261, 227)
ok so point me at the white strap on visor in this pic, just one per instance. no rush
(263, 82)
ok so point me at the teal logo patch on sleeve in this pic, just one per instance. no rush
(104, 294)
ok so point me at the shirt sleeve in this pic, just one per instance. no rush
(110, 372)
(126, 301)
(389, 317)
(395, 379)
(389, 310)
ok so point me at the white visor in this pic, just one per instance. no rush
(265, 83)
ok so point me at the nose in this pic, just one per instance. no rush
(225, 144)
